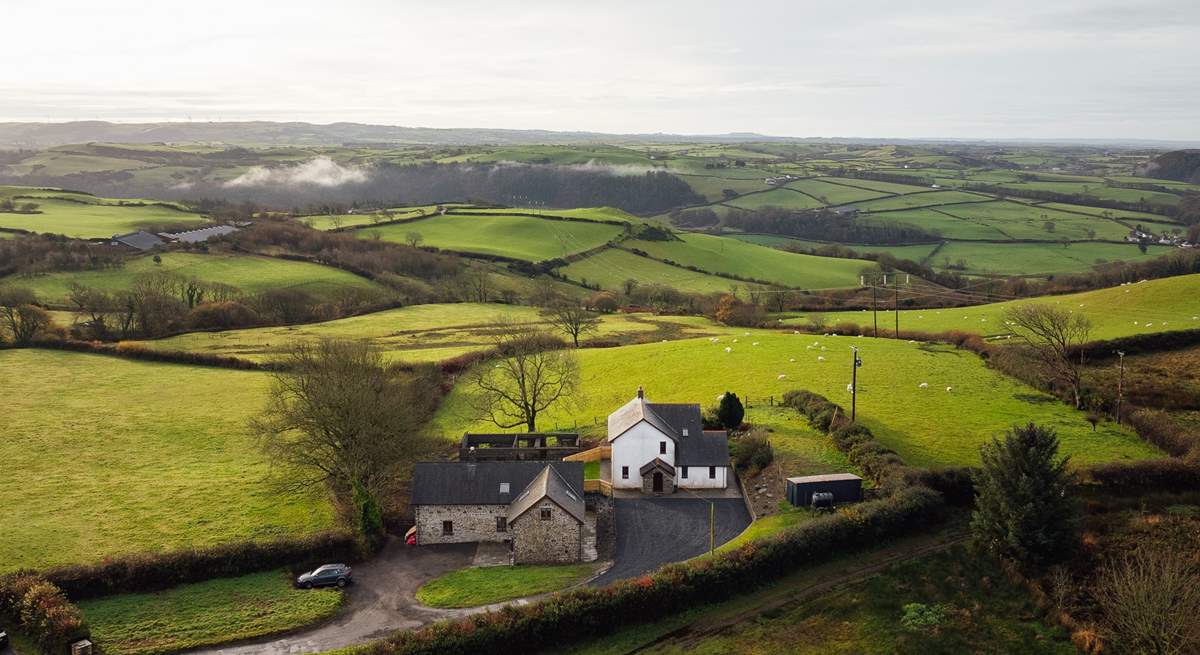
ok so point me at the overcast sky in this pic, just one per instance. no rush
(1041, 69)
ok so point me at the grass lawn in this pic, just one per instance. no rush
(767, 526)
(799, 448)
(418, 333)
(205, 613)
(926, 426)
(250, 273)
(983, 613)
(92, 220)
(519, 237)
(105, 456)
(1151, 306)
(734, 257)
(591, 470)
(611, 267)
(493, 584)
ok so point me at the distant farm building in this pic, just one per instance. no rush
(199, 236)
(535, 446)
(139, 240)
(828, 489)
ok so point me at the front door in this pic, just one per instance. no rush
(658, 482)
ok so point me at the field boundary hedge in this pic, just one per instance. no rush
(141, 353)
(154, 571)
(581, 613)
(42, 611)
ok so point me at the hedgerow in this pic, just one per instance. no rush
(42, 611)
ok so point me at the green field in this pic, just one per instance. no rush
(713, 187)
(875, 185)
(419, 333)
(334, 221)
(1039, 258)
(829, 193)
(492, 584)
(93, 220)
(586, 213)
(518, 237)
(920, 200)
(929, 426)
(249, 273)
(610, 268)
(784, 198)
(1021, 221)
(767, 526)
(105, 456)
(938, 221)
(1144, 307)
(733, 257)
(916, 253)
(206, 613)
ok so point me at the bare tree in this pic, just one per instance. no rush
(1053, 335)
(528, 377)
(338, 414)
(479, 280)
(21, 317)
(1151, 599)
(573, 319)
(414, 239)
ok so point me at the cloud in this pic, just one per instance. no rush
(322, 171)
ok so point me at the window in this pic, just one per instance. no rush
(501, 524)
(624, 472)
(545, 513)
(503, 487)
(685, 432)
(684, 473)
(662, 448)
(447, 528)
(712, 472)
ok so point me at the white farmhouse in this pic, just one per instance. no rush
(660, 447)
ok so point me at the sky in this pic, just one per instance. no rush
(1017, 69)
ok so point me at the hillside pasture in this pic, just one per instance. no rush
(931, 426)
(783, 198)
(249, 273)
(913, 200)
(1039, 258)
(829, 193)
(1021, 221)
(93, 220)
(876, 185)
(916, 253)
(516, 237)
(585, 213)
(937, 221)
(1138, 308)
(610, 269)
(718, 254)
(105, 457)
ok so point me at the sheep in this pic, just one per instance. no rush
(795, 331)
(754, 344)
(745, 334)
(923, 385)
(792, 360)
(820, 359)
(822, 347)
(781, 376)
(949, 388)
(728, 349)
(850, 388)
(735, 340)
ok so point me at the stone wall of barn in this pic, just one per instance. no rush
(471, 523)
(536, 540)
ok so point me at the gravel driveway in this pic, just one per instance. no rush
(379, 602)
(654, 531)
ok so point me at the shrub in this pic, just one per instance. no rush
(920, 617)
(42, 611)
(155, 571)
(221, 316)
(730, 411)
(752, 452)
(956, 484)
(1148, 475)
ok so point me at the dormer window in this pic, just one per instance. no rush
(685, 432)
(504, 487)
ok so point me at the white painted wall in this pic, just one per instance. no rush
(635, 448)
(698, 478)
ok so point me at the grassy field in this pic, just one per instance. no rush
(492, 584)
(587, 213)
(249, 273)
(519, 237)
(332, 221)
(916, 253)
(93, 220)
(913, 200)
(105, 456)
(1021, 221)
(875, 185)
(1151, 306)
(610, 268)
(1039, 258)
(207, 613)
(734, 257)
(419, 333)
(799, 448)
(983, 614)
(785, 198)
(833, 194)
(767, 526)
(931, 426)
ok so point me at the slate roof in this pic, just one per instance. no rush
(201, 235)
(478, 483)
(657, 463)
(551, 485)
(697, 448)
(139, 240)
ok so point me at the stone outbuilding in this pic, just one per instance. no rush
(536, 507)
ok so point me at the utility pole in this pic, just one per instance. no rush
(874, 310)
(854, 385)
(897, 306)
(1120, 384)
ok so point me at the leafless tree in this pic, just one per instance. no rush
(1053, 335)
(1151, 599)
(414, 239)
(338, 414)
(528, 376)
(573, 319)
(479, 280)
(20, 317)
